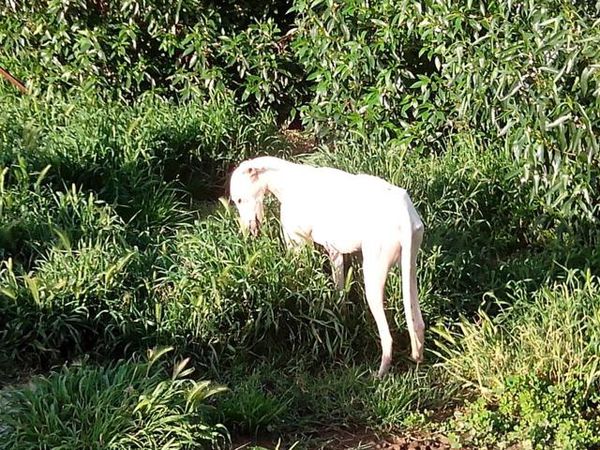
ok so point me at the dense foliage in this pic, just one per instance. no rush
(112, 238)
(122, 49)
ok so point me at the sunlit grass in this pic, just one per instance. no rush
(124, 405)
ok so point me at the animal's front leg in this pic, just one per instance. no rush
(337, 267)
(292, 233)
(293, 241)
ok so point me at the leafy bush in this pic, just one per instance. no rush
(533, 412)
(531, 86)
(515, 77)
(124, 405)
(361, 59)
(122, 50)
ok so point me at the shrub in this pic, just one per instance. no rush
(531, 86)
(191, 49)
(518, 77)
(535, 413)
(361, 59)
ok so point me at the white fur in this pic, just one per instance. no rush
(344, 213)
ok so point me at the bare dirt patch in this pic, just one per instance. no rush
(340, 439)
(299, 142)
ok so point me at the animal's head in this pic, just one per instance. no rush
(247, 191)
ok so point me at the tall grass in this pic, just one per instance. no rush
(125, 405)
(230, 291)
(112, 239)
(552, 333)
(91, 191)
(536, 365)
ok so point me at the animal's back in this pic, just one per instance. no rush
(344, 209)
(357, 194)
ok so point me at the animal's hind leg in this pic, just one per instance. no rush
(376, 264)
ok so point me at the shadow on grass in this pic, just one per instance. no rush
(495, 238)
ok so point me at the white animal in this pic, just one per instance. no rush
(344, 213)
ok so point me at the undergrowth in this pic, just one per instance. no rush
(124, 405)
(535, 366)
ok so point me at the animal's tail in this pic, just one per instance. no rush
(412, 236)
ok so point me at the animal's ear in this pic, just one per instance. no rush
(254, 172)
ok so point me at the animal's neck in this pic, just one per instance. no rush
(273, 183)
(275, 178)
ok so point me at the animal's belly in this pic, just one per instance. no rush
(343, 222)
(345, 236)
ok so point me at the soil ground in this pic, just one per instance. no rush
(340, 439)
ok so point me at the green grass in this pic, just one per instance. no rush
(113, 239)
(298, 401)
(535, 366)
(124, 405)
(106, 253)
(106, 256)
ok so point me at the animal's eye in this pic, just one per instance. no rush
(239, 200)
